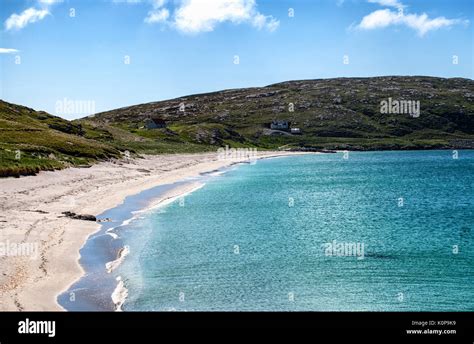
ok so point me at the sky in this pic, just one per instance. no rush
(116, 53)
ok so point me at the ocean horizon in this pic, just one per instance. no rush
(366, 231)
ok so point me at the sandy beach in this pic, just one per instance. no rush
(31, 212)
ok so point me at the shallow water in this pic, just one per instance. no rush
(257, 237)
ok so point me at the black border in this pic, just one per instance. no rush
(350, 325)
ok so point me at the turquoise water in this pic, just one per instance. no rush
(254, 238)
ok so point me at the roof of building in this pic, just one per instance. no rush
(157, 120)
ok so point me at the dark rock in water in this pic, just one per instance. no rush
(75, 216)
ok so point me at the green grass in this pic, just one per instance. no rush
(13, 164)
(333, 114)
(341, 112)
(32, 141)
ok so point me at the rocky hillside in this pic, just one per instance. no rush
(342, 113)
(31, 141)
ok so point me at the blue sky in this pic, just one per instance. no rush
(181, 47)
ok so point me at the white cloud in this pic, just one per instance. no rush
(30, 15)
(194, 16)
(204, 15)
(157, 16)
(127, 1)
(388, 3)
(189, 16)
(158, 3)
(8, 51)
(418, 22)
(422, 23)
(154, 3)
(49, 2)
(265, 22)
(378, 19)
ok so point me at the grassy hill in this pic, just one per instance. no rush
(342, 113)
(31, 141)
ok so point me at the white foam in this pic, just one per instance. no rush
(113, 235)
(124, 223)
(110, 266)
(119, 295)
(153, 205)
(217, 173)
(168, 200)
(127, 221)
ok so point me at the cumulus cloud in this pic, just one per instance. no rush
(30, 15)
(194, 16)
(8, 51)
(418, 22)
(157, 16)
(261, 21)
(158, 3)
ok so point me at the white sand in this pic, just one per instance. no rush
(30, 213)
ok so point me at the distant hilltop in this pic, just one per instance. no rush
(379, 113)
(336, 113)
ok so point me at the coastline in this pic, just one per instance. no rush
(31, 212)
(98, 289)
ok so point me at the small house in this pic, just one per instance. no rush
(296, 131)
(280, 125)
(155, 123)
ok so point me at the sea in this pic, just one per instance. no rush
(355, 231)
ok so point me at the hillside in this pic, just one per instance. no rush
(31, 141)
(342, 113)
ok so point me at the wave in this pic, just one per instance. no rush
(113, 235)
(163, 201)
(122, 253)
(119, 295)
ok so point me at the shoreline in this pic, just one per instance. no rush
(104, 251)
(32, 213)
